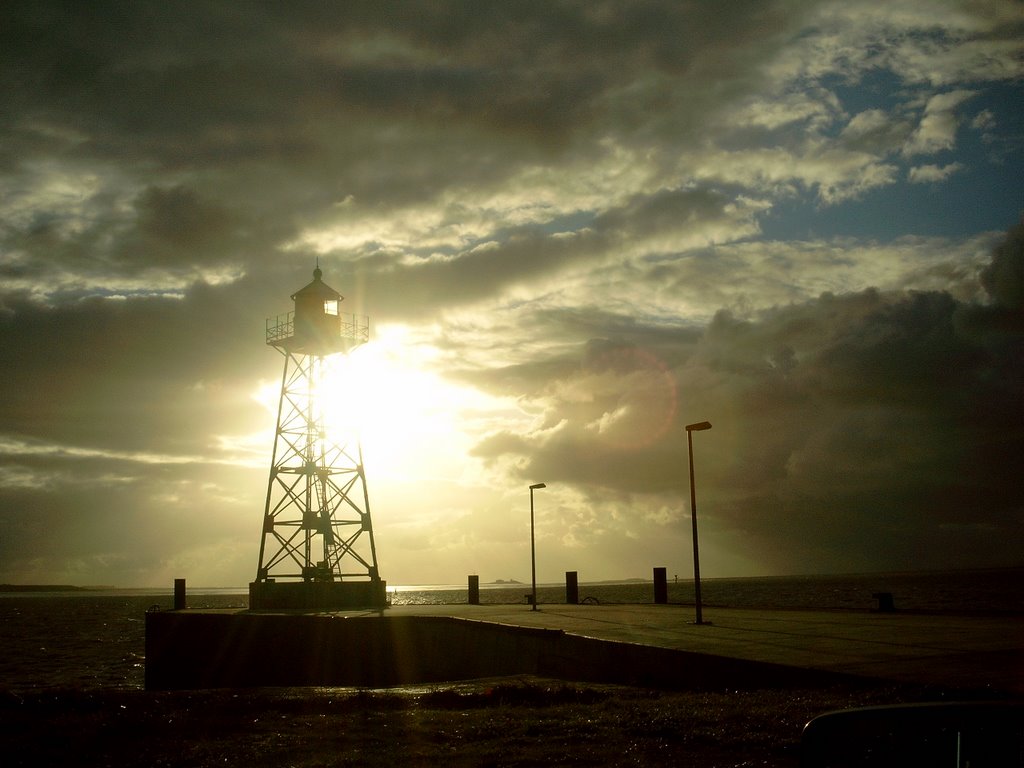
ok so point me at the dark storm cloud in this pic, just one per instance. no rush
(1004, 277)
(177, 219)
(627, 342)
(130, 373)
(164, 234)
(74, 516)
(863, 429)
(313, 93)
(271, 117)
(212, 83)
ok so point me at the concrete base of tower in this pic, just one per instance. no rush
(317, 595)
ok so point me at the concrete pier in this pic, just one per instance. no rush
(221, 649)
(651, 645)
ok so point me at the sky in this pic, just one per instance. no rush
(575, 227)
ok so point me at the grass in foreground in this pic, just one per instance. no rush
(507, 722)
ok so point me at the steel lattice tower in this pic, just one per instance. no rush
(316, 548)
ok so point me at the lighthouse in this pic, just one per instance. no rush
(316, 545)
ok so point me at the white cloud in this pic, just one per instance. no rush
(938, 43)
(874, 130)
(834, 173)
(926, 174)
(937, 129)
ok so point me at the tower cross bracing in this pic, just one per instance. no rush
(317, 547)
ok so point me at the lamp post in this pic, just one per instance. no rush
(690, 429)
(533, 549)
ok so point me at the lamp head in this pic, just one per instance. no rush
(698, 427)
(537, 485)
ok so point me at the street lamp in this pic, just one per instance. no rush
(690, 429)
(533, 549)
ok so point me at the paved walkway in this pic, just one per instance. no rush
(962, 651)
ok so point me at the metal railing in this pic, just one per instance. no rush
(354, 328)
(280, 327)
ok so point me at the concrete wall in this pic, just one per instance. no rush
(242, 649)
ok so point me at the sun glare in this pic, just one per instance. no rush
(416, 429)
(406, 417)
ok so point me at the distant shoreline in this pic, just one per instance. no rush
(45, 588)
(1013, 571)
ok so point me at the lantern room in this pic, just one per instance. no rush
(315, 327)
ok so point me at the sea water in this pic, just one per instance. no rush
(96, 639)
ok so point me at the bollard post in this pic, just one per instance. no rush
(179, 594)
(885, 601)
(474, 590)
(572, 588)
(660, 585)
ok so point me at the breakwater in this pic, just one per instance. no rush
(214, 649)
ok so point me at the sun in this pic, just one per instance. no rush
(407, 417)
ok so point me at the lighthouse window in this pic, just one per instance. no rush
(330, 307)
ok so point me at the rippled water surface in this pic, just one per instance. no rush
(92, 640)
